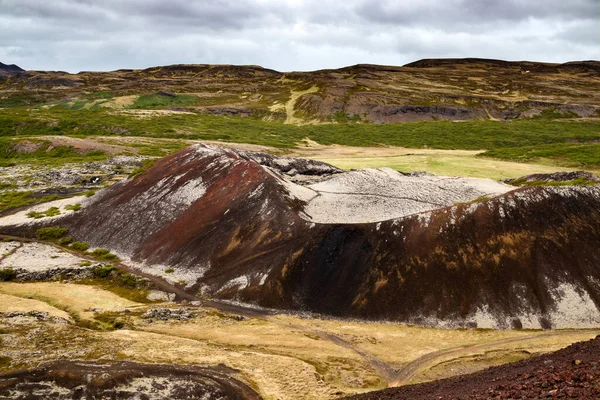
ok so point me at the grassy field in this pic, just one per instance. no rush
(559, 142)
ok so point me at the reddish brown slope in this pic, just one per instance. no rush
(569, 373)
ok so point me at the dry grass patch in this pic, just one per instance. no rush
(77, 299)
(10, 304)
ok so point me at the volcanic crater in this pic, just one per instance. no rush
(375, 244)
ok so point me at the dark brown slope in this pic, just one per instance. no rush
(124, 380)
(569, 373)
(9, 70)
(451, 89)
(229, 226)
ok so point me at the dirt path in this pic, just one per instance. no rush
(388, 371)
(405, 374)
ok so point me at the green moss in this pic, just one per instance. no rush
(89, 193)
(65, 241)
(73, 207)
(104, 271)
(575, 182)
(169, 271)
(104, 254)
(14, 199)
(80, 246)
(51, 212)
(51, 233)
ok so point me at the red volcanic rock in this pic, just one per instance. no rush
(568, 373)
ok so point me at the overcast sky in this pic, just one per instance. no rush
(286, 35)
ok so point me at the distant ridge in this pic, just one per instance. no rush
(444, 62)
(10, 70)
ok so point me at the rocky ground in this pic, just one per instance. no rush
(124, 380)
(569, 373)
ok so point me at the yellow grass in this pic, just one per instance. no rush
(78, 299)
(10, 304)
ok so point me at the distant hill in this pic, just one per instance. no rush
(10, 70)
(425, 90)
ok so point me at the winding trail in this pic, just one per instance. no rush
(390, 372)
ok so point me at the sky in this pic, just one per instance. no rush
(291, 35)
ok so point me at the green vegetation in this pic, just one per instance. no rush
(158, 101)
(89, 193)
(7, 274)
(104, 254)
(36, 152)
(85, 263)
(73, 207)
(569, 143)
(103, 271)
(575, 182)
(80, 246)
(51, 233)
(14, 199)
(51, 212)
(65, 241)
(169, 271)
(122, 283)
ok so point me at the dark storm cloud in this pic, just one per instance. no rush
(291, 35)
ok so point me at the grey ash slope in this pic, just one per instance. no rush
(234, 229)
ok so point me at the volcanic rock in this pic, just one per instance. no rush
(9, 70)
(436, 251)
(568, 373)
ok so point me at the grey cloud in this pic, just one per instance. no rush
(292, 34)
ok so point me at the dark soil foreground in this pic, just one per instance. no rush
(123, 380)
(568, 373)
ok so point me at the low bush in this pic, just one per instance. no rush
(51, 233)
(7, 274)
(73, 207)
(80, 246)
(103, 271)
(65, 241)
(104, 254)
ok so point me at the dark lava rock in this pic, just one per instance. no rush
(165, 314)
(124, 380)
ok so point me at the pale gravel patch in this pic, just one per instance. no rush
(159, 295)
(373, 195)
(21, 218)
(179, 275)
(7, 247)
(36, 257)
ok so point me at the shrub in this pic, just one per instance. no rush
(104, 254)
(103, 271)
(89, 193)
(80, 246)
(65, 241)
(7, 274)
(73, 207)
(51, 233)
(169, 271)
